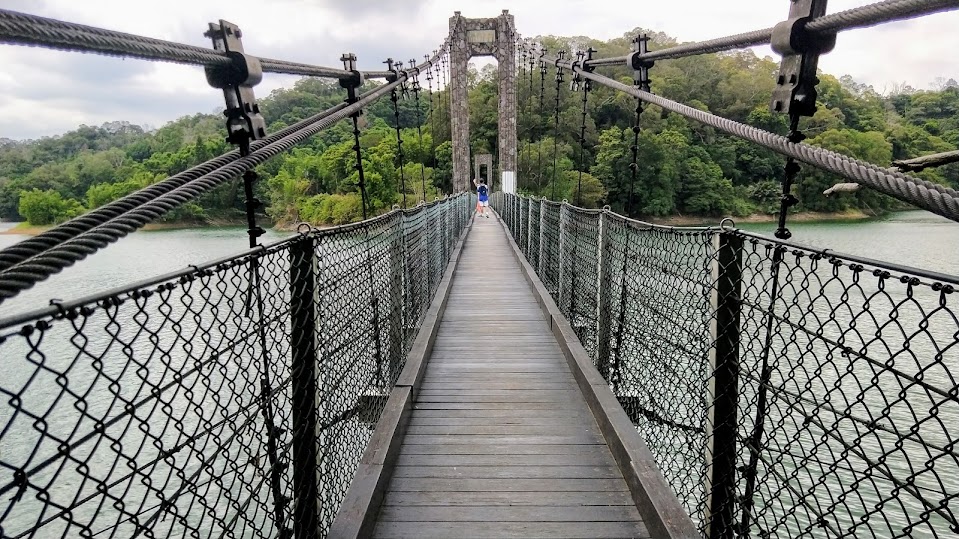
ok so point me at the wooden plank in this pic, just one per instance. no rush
(507, 393)
(550, 363)
(518, 513)
(492, 414)
(520, 316)
(515, 420)
(492, 439)
(493, 328)
(525, 530)
(487, 367)
(512, 328)
(504, 384)
(420, 484)
(501, 449)
(569, 429)
(520, 397)
(467, 341)
(481, 379)
(456, 498)
(592, 458)
(517, 353)
(436, 377)
(500, 406)
(509, 472)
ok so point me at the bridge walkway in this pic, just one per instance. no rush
(501, 441)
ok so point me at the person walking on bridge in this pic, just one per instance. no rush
(482, 193)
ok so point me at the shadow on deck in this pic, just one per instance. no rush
(501, 427)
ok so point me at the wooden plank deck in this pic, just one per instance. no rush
(501, 442)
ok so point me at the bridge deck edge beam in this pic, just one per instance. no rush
(662, 512)
(357, 514)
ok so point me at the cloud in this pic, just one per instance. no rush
(49, 92)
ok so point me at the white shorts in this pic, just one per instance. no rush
(484, 203)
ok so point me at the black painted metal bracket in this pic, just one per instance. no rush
(244, 122)
(640, 67)
(795, 92)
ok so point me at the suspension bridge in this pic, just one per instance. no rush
(632, 380)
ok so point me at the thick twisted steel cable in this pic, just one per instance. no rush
(25, 274)
(51, 238)
(33, 246)
(858, 17)
(936, 198)
(25, 29)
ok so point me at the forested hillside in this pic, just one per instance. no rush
(684, 168)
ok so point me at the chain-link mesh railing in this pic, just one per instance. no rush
(229, 400)
(783, 391)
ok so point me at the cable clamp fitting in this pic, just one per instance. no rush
(243, 119)
(795, 91)
(356, 79)
(638, 64)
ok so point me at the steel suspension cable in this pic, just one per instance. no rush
(449, 97)
(431, 116)
(25, 29)
(529, 120)
(399, 142)
(634, 165)
(519, 117)
(582, 130)
(559, 82)
(936, 198)
(38, 244)
(351, 97)
(542, 109)
(419, 123)
(27, 273)
(640, 82)
(72, 228)
(858, 17)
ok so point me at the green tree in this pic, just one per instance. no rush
(47, 207)
(612, 167)
(704, 189)
(870, 146)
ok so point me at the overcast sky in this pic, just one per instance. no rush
(49, 92)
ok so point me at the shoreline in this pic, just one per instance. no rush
(24, 229)
(801, 217)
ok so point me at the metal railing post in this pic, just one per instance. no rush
(306, 499)
(723, 387)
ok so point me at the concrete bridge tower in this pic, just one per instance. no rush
(483, 37)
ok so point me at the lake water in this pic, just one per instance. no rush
(916, 238)
(138, 256)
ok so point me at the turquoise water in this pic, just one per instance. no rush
(914, 238)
